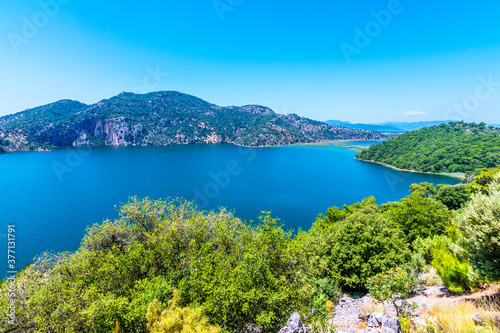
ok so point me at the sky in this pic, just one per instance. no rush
(358, 61)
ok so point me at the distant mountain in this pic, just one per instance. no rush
(391, 126)
(368, 127)
(161, 118)
(413, 126)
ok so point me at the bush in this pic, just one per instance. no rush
(453, 197)
(419, 216)
(392, 286)
(453, 272)
(479, 224)
(361, 246)
(175, 319)
(236, 273)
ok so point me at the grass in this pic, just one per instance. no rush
(459, 317)
(371, 307)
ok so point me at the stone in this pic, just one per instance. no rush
(294, 325)
(383, 321)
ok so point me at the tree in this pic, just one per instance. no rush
(453, 197)
(479, 224)
(362, 245)
(419, 216)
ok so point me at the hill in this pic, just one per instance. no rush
(453, 147)
(368, 127)
(161, 118)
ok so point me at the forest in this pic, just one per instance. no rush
(166, 266)
(456, 147)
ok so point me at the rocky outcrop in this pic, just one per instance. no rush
(294, 325)
(378, 322)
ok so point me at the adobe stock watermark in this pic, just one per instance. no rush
(486, 88)
(31, 26)
(223, 6)
(153, 79)
(364, 36)
(221, 179)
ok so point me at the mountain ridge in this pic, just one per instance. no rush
(161, 118)
(392, 126)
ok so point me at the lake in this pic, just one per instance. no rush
(52, 197)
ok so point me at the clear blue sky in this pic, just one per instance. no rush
(286, 55)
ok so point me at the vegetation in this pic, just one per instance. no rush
(165, 266)
(393, 286)
(454, 147)
(175, 319)
(479, 224)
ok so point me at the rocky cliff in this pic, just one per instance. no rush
(161, 118)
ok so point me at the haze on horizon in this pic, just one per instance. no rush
(362, 61)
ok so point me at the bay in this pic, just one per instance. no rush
(52, 197)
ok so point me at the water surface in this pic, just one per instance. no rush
(52, 197)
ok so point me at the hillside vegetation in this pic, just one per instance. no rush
(161, 118)
(165, 266)
(454, 147)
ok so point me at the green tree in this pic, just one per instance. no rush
(453, 197)
(362, 245)
(419, 216)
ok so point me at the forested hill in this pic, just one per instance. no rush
(161, 118)
(453, 147)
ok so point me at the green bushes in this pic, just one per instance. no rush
(237, 274)
(393, 286)
(228, 274)
(362, 245)
(419, 216)
(479, 224)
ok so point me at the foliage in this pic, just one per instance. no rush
(334, 214)
(237, 274)
(453, 147)
(483, 179)
(479, 224)
(419, 216)
(453, 197)
(175, 319)
(361, 246)
(393, 286)
(453, 271)
(425, 246)
(327, 294)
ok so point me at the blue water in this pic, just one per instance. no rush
(52, 197)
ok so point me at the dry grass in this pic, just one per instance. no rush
(371, 307)
(459, 317)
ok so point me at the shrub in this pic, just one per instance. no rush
(419, 216)
(361, 246)
(236, 273)
(425, 246)
(453, 197)
(479, 224)
(175, 319)
(453, 272)
(393, 286)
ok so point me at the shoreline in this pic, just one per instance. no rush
(451, 175)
